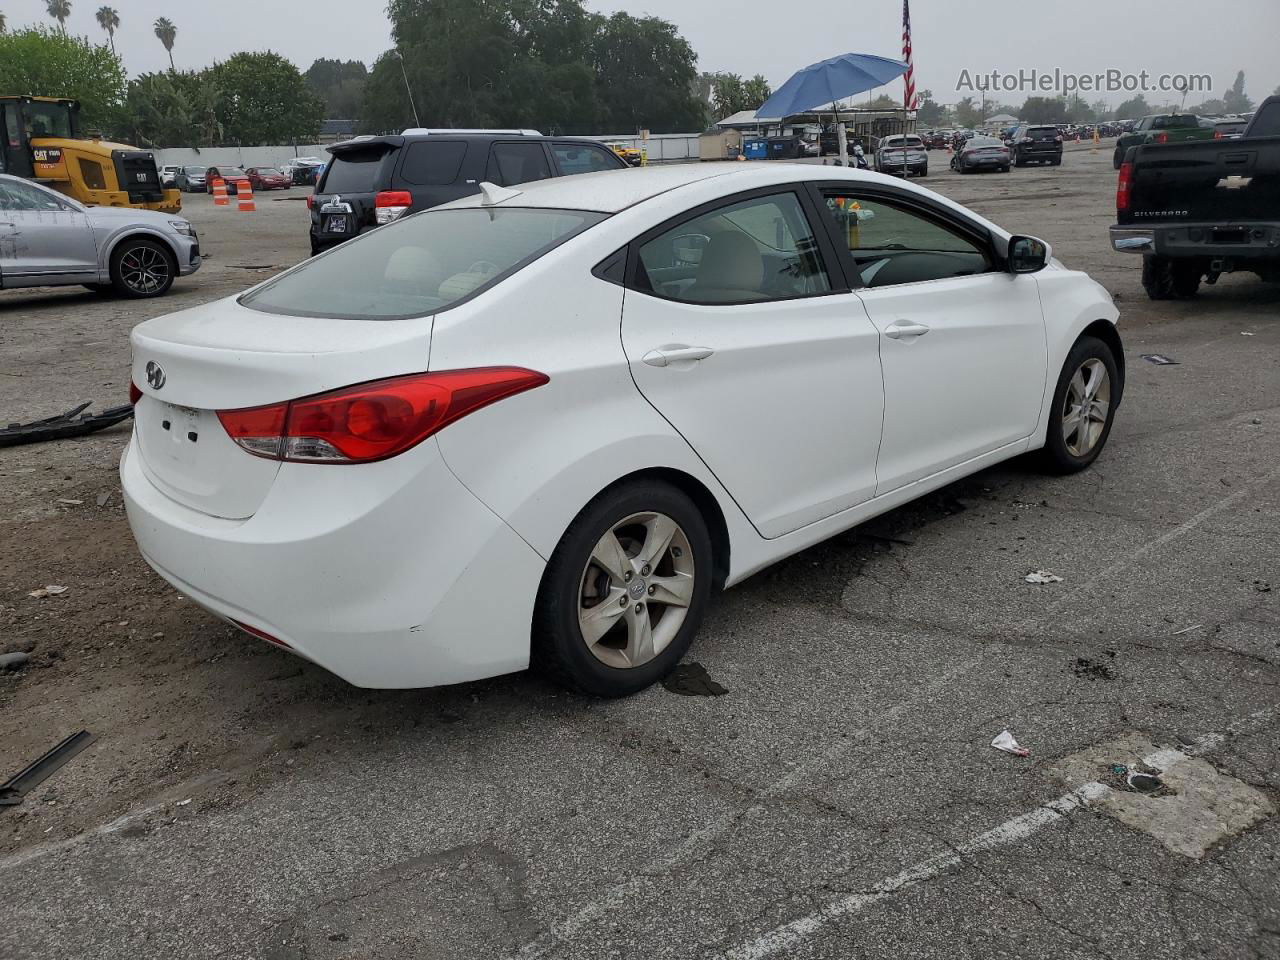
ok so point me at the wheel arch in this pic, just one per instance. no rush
(1105, 331)
(706, 503)
(136, 233)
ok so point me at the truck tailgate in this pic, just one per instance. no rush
(1212, 181)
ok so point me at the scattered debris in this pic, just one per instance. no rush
(1094, 669)
(52, 590)
(104, 499)
(1256, 421)
(1188, 629)
(1262, 586)
(1245, 333)
(70, 503)
(691, 680)
(13, 790)
(12, 661)
(1159, 359)
(1144, 782)
(74, 423)
(1005, 741)
(183, 803)
(1042, 576)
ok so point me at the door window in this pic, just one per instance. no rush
(511, 163)
(891, 245)
(755, 250)
(21, 196)
(433, 163)
(584, 158)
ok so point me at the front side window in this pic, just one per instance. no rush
(755, 250)
(890, 244)
(419, 265)
(583, 158)
(511, 163)
(23, 197)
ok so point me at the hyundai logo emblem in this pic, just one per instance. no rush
(155, 375)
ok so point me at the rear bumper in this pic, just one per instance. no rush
(1252, 241)
(390, 575)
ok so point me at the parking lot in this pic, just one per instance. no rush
(839, 799)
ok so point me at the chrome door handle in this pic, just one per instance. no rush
(676, 353)
(905, 330)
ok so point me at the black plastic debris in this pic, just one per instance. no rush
(1159, 359)
(74, 423)
(18, 786)
(691, 680)
(1145, 782)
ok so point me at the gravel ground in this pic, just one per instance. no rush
(839, 800)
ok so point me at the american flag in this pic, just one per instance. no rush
(909, 101)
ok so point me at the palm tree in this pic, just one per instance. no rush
(59, 10)
(166, 32)
(109, 20)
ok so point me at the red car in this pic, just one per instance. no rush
(268, 178)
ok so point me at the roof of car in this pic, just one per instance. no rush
(610, 190)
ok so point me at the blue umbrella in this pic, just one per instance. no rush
(828, 81)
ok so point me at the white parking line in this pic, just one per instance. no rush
(1011, 831)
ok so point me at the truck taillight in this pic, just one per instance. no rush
(311, 200)
(1217, 134)
(391, 205)
(372, 421)
(1162, 138)
(1123, 186)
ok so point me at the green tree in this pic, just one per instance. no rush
(930, 112)
(161, 111)
(264, 100)
(755, 92)
(1235, 99)
(1043, 110)
(727, 96)
(166, 33)
(340, 84)
(59, 10)
(40, 61)
(1133, 109)
(109, 20)
(967, 113)
(644, 74)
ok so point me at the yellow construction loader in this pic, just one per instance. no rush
(40, 139)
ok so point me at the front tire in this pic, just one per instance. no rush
(1084, 405)
(141, 268)
(625, 591)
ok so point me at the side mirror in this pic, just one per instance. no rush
(1027, 255)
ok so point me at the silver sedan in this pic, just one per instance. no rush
(48, 239)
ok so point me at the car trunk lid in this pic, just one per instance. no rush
(224, 356)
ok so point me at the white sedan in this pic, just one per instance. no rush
(542, 424)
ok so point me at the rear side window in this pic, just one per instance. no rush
(433, 163)
(517, 163)
(354, 171)
(419, 265)
(583, 158)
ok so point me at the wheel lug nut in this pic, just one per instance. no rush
(627, 576)
(644, 571)
(652, 590)
(622, 601)
(639, 608)
(677, 552)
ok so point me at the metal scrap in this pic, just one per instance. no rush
(13, 790)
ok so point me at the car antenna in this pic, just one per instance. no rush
(491, 193)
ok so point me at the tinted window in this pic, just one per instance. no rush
(194, 171)
(433, 162)
(1041, 133)
(354, 171)
(1172, 122)
(582, 158)
(517, 163)
(891, 245)
(419, 265)
(1267, 122)
(760, 249)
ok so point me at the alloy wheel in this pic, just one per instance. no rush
(1086, 407)
(636, 590)
(144, 269)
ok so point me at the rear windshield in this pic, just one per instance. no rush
(985, 142)
(419, 265)
(354, 171)
(194, 170)
(1175, 122)
(1042, 132)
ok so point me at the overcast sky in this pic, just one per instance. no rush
(773, 37)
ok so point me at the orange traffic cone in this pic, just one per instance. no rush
(244, 196)
(220, 193)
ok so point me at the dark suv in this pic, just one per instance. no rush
(1036, 144)
(375, 180)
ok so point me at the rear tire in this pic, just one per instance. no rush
(142, 268)
(1166, 279)
(1078, 426)
(637, 636)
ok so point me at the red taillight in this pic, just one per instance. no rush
(260, 634)
(1162, 138)
(134, 393)
(372, 421)
(391, 205)
(311, 200)
(1217, 134)
(1123, 185)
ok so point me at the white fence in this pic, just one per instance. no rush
(662, 148)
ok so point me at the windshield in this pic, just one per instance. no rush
(419, 265)
(195, 171)
(269, 172)
(47, 119)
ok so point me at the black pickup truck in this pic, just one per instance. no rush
(1201, 209)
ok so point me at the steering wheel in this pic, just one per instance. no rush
(484, 268)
